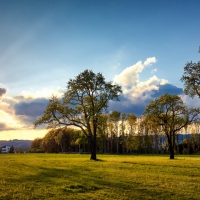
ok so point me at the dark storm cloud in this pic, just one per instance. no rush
(167, 88)
(127, 106)
(31, 108)
(2, 92)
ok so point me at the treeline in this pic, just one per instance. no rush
(74, 141)
(60, 140)
(117, 133)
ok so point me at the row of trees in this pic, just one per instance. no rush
(67, 139)
(60, 140)
(147, 142)
(85, 105)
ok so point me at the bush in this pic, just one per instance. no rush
(36, 150)
(184, 151)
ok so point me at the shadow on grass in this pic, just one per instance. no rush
(98, 160)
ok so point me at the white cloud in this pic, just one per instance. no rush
(43, 93)
(149, 61)
(130, 76)
(133, 89)
(143, 90)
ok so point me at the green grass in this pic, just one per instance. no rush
(64, 176)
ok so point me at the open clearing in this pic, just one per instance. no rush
(67, 176)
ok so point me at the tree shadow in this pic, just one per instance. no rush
(98, 160)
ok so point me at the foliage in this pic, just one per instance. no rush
(87, 97)
(114, 118)
(131, 120)
(58, 140)
(169, 112)
(191, 79)
(133, 142)
(36, 143)
(122, 128)
(103, 133)
(184, 151)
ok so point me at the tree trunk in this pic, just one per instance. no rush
(92, 143)
(61, 148)
(171, 149)
(93, 155)
(171, 145)
(117, 138)
(105, 150)
(111, 144)
(177, 144)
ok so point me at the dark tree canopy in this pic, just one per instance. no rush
(191, 79)
(87, 97)
(170, 112)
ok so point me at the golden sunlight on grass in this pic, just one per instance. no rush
(64, 176)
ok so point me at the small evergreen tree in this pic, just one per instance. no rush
(12, 150)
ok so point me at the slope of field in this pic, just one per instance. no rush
(64, 176)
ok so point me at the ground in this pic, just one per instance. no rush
(65, 176)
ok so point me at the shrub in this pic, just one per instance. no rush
(184, 151)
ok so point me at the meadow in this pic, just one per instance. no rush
(74, 176)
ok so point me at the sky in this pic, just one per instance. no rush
(143, 45)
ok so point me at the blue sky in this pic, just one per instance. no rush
(142, 45)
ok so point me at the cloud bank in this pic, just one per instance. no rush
(137, 94)
(19, 112)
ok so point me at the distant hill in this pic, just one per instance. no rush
(24, 144)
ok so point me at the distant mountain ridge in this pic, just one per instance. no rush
(24, 144)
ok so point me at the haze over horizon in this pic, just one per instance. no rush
(141, 45)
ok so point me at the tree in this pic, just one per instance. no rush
(48, 142)
(103, 131)
(152, 135)
(191, 79)
(131, 120)
(36, 144)
(59, 139)
(114, 120)
(12, 150)
(87, 97)
(122, 131)
(131, 123)
(133, 143)
(169, 112)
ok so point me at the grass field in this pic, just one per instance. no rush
(65, 176)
